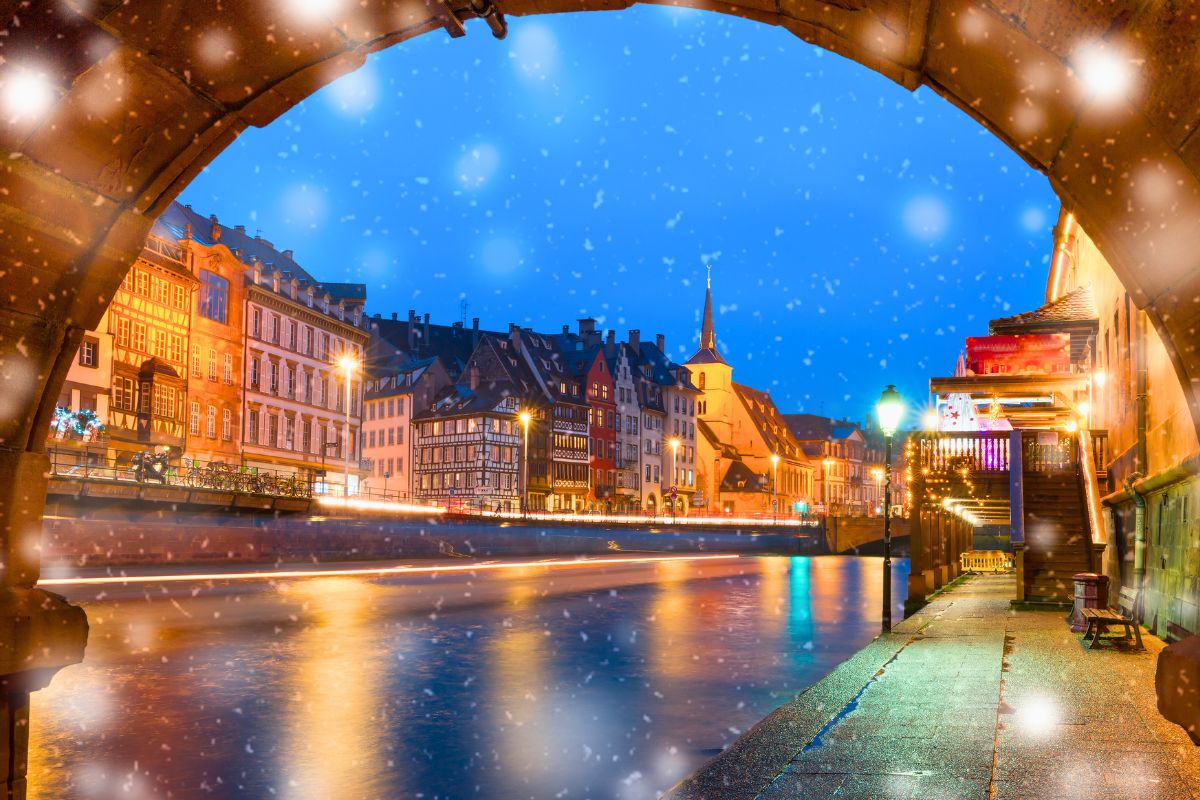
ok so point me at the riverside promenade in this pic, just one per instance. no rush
(967, 698)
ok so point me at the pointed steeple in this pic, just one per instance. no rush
(708, 337)
(707, 354)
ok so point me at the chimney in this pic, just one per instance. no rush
(215, 230)
(425, 341)
(475, 332)
(393, 316)
(566, 329)
(288, 255)
(635, 341)
(610, 343)
(660, 342)
(456, 324)
(240, 228)
(412, 329)
(377, 315)
(586, 325)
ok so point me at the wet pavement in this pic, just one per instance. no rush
(968, 699)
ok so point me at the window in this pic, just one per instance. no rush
(254, 373)
(275, 328)
(212, 364)
(700, 384)
(604, 392)
(122, 332)
(162, 291)
(227, 368)
(164, 401)
(123, 394)
(400, 406)
(194, 420)
(274, 378)
(391, 408)
(291, 382)
(162, 346)
(292, 334)
(306, 432)
(142, 282)
(179, 297)
(256, 322)
(89, 355)
(252, 426)
(226, 424)
(139, 337)
(212, 301)
(210, 427)
(272, 430)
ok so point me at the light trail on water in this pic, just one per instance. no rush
(375, 571)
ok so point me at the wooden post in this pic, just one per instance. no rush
(1016, 505)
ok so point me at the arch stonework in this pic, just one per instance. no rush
(147, 92)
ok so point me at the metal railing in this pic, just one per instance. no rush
(189, 473)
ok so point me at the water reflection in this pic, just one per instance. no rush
(514, 684)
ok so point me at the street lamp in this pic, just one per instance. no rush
(674, 442)
(774, 487)
(525, 417)
(348, 363)
(889, 411)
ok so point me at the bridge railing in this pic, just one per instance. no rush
(189, 473)
(954, 451)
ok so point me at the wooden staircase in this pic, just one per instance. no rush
(1057, 539)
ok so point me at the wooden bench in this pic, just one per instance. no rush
(1100, 619)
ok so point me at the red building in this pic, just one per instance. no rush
(602, 429)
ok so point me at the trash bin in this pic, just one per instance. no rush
(1091, 591)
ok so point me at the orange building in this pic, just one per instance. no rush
(149, 323)
(217, 341)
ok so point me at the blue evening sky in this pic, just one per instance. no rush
(591, 164)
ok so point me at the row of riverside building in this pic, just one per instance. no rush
(219, 347)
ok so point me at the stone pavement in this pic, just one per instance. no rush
(967, 699)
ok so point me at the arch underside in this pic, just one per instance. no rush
(140, 112)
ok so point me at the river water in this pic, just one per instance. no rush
(609, 683)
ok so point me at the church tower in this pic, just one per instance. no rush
(712, 375)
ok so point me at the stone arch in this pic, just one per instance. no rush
(140, 99)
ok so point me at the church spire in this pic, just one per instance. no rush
(708, 338)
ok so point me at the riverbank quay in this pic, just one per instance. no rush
(967, 698)
(166, 537)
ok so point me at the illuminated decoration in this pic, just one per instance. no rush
(1019, 354)
(84, 423)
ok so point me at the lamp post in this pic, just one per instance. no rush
(877, 474)
(774, 487)
(348, 363)
(674, 442)
(525, 417)
(889, 411)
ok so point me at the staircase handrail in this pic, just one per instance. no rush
(1091, 489)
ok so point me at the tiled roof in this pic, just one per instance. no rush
(740, 478)
(1077, 305)
(178, 221)
(809, 427)
(769, 422)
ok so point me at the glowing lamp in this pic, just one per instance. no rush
(889, 410)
